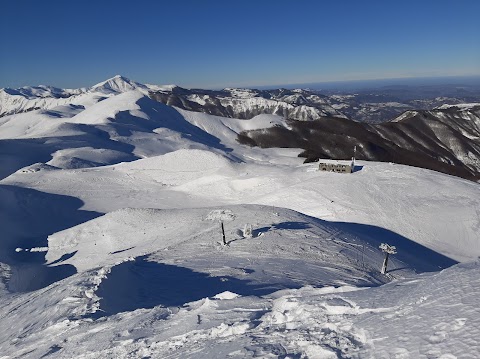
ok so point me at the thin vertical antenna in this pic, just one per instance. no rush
(353, 158)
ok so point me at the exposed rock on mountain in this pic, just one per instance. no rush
(369, 105)
(302, 105)
(445, 139)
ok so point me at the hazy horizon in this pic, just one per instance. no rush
(346, 85)
(386, 82)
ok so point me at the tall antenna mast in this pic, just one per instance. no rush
(353, 158)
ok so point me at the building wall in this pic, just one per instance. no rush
(334, 167)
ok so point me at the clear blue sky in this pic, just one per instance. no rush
(235, 43)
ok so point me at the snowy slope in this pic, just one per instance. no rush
(123, 127)
(297, 288)
(444, 139)
(112, 246)
(118, 84)
(13, 101)
(372, 196)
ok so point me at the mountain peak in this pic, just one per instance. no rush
(117, 84)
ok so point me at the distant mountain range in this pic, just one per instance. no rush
(24, 99)
(446, 139)
(302, 105)
(443, 137)
(437, 133)
(365, 105)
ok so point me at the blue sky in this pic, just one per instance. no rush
(213, 44)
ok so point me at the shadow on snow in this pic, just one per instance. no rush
(146, 284)
(357, 168)
(414, 255)
(27, 218)
(19, 153)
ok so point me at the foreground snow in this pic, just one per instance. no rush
(112, 246)
(431, 316)
(159, 283)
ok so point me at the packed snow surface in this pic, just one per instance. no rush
(112, 246)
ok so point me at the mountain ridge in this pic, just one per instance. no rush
(445, 138)
(131, 228)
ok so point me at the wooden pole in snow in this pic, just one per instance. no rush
(223, 234)
(385, 263)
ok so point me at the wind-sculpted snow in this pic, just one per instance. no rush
(164, 276)
(27, 218)
(129, 233)
(432, 315)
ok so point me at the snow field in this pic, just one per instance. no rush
(417, 317)
(127, 196)
(372, 196)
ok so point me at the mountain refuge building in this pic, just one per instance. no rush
(335, 167)
(338, 167)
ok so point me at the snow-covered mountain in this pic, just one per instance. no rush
(302, 105)
(446, 139)
(368, 105)
(381, 104)
(117, 85)
(13, 101)
(112, 212)
(442, 139)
